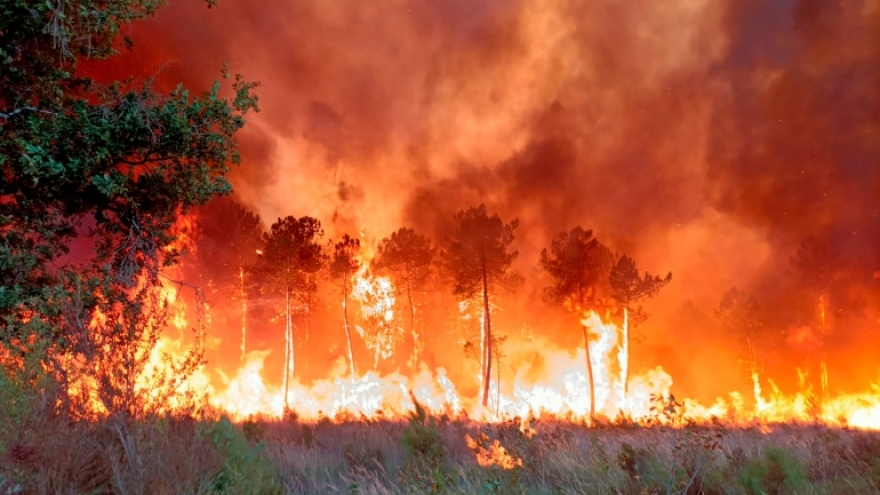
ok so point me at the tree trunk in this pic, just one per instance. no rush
(590, 373)
(308, 314)
(497, 381)
(823, 366)
(345, 325)
(288, 347)
(487, 340)
(414, 357)
(590, 383)
(624, 355)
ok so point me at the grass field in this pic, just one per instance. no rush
(431, 455)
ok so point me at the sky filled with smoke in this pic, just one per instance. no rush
(706, 138)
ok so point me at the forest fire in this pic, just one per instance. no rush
(586, 385)
(562, 392)
(451, 246)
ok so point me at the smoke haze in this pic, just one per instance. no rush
(703, 138)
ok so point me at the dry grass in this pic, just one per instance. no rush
(47, 455)
(562, 458)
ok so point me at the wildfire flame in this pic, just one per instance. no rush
(492, 453)
(562, 391)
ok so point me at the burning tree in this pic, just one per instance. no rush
(229, 235)
(343, 267)
(578, 264)
(378, 330)
(110, 167)
(816, 268)
(478, 260)
(291, 254)
(738, 311)
(407, 257)
(627, 288)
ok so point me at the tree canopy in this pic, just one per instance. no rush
(628, 287)
(578, 264)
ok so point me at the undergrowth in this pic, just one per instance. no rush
(42, 452)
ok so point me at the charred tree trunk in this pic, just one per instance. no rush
(487, 340)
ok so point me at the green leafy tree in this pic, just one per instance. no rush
(478, 260)
(228, 236)
(343, 267)
(291, 255)
(107, 168)
(407, 256)
(578, 264)
(627, 288)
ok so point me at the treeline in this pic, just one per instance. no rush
(287, 265)
(457, 286)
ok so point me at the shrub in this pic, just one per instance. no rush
(245, 470)
(426, 469)
(778, 472)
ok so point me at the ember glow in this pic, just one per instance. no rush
(735, 144)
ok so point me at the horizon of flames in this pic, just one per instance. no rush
(561, 393)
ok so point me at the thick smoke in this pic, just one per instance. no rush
(705, 138)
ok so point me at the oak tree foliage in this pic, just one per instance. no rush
(105, 168)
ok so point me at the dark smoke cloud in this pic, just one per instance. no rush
(706, 138)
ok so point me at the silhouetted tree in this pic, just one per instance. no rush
(407, 257)
(343, 267)
(627, 288)
(578, 264)
(291, 254)
(816, 268)
(478, 259)
(228, 237)
(739, 311)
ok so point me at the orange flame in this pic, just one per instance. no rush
(492, 453)
(561, 391)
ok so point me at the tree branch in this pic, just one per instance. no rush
(7, 116)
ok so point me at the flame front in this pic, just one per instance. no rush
(561, 393)
(561, 390)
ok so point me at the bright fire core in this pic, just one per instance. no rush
(561, 391)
